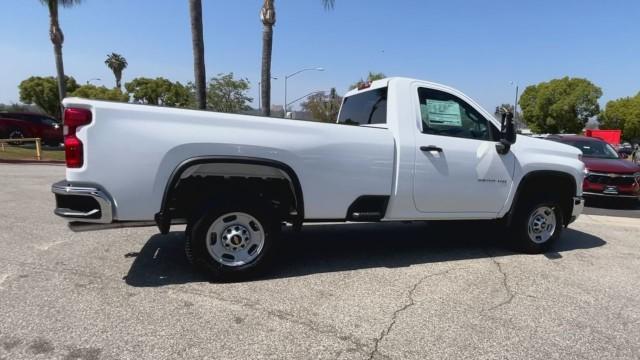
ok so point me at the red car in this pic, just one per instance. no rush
(607, 175)
(14, 125)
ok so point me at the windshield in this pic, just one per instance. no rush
(594, 149)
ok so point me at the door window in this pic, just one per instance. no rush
(445, 114)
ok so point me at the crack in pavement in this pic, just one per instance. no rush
(410, 303)
(505, 284)
(511, 294)
(324, 329)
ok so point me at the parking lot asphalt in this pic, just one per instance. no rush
(612, 207)
(348, 291)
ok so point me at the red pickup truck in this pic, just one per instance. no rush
(19, 125)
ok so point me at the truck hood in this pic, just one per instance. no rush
(527, 143)
(619, 166)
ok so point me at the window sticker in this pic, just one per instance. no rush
(443, 113)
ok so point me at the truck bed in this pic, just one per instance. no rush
(131, 151)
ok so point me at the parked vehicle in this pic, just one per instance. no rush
(607, 174)
(625, 150)
(16, 125)
(401, 150)
(611, 137)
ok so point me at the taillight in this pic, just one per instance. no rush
(73, 118)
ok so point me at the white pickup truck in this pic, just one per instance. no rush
(401, 150)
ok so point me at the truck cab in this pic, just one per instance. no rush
(448, 162)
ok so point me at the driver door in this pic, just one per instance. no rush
(457, 168)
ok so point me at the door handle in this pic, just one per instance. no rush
(431, 148)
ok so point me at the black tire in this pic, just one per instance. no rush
(525, 214)
(187, 243)
(15, 133)
(199, 253)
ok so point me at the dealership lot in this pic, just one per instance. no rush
(347, 291)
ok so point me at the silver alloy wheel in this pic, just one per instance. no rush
(542, 224)
(235, 239)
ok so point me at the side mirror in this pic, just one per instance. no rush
(507, 133)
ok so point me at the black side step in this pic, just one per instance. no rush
(368, 208)
(366, 216)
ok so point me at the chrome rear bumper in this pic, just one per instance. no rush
(82, 203)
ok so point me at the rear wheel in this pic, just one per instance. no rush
(234, 242)
(537, 224)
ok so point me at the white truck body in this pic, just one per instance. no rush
(132, 150)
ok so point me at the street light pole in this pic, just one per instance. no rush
(302, 97)
(291, 75)
(515, 105)
(93, 79)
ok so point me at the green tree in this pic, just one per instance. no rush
(197, 40)
(268, 18)
(117, 63)
(373, 76)
(160, 91)
(43, 92)
(100, 93)
(226, 94)
(323, 107)
(623, 114)
(560, 105)
(57, 38)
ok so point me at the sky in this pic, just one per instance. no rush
(478, 47)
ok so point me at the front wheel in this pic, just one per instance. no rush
(233, 242)
(537, 224)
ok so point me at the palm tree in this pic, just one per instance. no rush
(195, 10)
(57, 38)
(117, 63)
(373, 76)
(268, 18)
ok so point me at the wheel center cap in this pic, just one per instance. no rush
(235, 237)
(539, 224)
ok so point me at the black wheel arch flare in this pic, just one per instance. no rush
(163, 217)
(524, 183)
